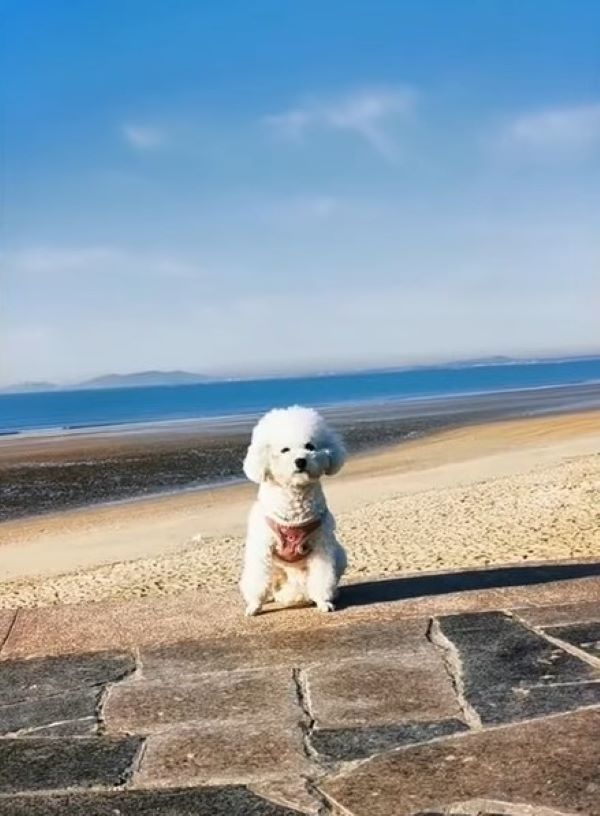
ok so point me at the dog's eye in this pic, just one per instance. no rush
(309, 446)
(285, 450)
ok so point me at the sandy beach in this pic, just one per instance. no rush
(496, 493)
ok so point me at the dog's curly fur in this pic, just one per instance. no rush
(292, 495)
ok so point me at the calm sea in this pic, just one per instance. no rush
(68, 410)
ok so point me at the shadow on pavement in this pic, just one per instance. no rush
(416, 586)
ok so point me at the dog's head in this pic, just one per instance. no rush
(293, 446)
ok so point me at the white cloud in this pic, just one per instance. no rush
(93, 260)
(143, 137)
(367, 113)
(572, 131)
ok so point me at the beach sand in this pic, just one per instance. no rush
(498, 493)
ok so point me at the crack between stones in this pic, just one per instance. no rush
(453, 666)
(106, 690)
(9, 631)
(307, 724)
(136, 764)
(592, 661)
(323, 804)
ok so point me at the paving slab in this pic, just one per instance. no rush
(291, 649)
(210, 755)
(510, 672)
(208, 801)
(58, 695)
(232, 698)
(21, 680)
(401, 687)
(29, 764)
(348, 744)
(153, 621)
(551, 763)
(71, 713)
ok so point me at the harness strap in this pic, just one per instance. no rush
(292, 539)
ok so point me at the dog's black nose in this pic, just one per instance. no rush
(300, 464)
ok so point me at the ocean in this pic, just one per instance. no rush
(71, 410)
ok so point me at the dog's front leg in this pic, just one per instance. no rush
(256, 579)
(321, 581)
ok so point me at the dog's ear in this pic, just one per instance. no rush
(256, 462)
(336, 453)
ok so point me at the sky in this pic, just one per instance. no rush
(235, 187)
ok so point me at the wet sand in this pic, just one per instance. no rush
(47, 474)
(495, 493)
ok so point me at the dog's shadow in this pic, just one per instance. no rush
(418, 586)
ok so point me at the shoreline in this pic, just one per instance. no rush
(494, 493)
(44, 474)
(225, 424)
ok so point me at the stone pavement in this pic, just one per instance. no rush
(481, 701)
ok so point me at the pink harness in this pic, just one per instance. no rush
(292, 539)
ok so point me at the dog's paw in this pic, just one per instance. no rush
(253, 609)
(325, 606)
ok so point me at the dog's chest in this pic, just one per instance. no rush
(292, 506)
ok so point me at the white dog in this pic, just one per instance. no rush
(292, 554)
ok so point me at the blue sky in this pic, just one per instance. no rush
(237, 187)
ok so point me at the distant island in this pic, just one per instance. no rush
(141, 379)
(137, 379)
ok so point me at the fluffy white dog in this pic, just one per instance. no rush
(292, 554)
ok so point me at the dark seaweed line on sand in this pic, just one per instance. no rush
(36, 488)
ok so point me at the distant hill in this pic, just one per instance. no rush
(139, 379)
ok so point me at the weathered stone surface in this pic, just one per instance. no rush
(561, 615)
(53, 764)
(43, 677)
(408, 686)
(242, 698)
(210, 755)
(586, 636)
(540, 701)
(511, 673)
(193, 615)
(282, 649)
(346, 744)
(66, 709)
(217, 801)
(485, 807)
(553, 763)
